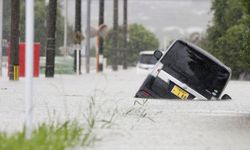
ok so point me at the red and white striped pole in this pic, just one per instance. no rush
(100, 41)
(101, 33)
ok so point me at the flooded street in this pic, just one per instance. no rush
(136, 123)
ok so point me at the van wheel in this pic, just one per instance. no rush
(225, 97)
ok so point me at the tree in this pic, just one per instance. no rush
(139, 39)
(50, 50)
(230, 50)
(245, 53)
(225, 37)
(246, 6)
(227, 13)
(14, 40)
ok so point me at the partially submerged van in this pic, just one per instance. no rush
(186, 71)
(146, 62)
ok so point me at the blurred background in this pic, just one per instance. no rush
(218, 26)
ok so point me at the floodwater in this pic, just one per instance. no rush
(136, 124)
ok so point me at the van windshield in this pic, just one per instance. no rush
(147, 59)
(195, 69)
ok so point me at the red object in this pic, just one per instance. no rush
(36, 69)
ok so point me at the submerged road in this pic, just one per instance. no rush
(133, 124)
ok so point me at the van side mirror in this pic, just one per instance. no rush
(157, 54)
(225, 97)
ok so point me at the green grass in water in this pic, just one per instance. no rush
(48, 137)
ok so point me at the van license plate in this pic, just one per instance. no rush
(179, 93)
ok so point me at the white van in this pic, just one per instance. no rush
(185, 71)
(146, 62)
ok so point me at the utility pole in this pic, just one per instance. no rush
(78, 37)
(29, 54)
(1, 36)
(100, 40)
(125, 30)
(88, 36)
(14, 41)
(115, 36)
(51, 41)
(65, 27)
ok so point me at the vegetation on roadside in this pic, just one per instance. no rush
(49, 137)
(139, 39)
(139, 109)
(228, 36)
(76, 134)
(55, 136)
